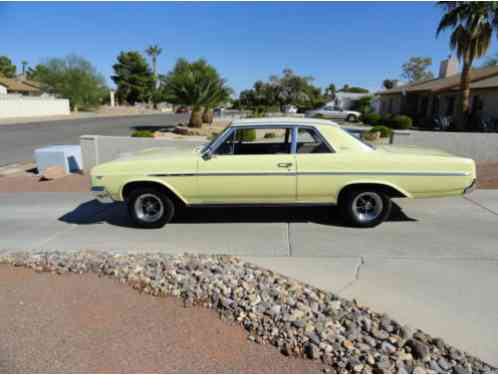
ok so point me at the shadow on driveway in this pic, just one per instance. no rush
(93, 212)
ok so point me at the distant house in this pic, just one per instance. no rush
(15, 86)
(439, 96)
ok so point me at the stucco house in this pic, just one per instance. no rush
(14, 86)
(439, 96)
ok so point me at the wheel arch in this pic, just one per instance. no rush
(151, 183)
(391, 190)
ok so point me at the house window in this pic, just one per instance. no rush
(390, 108)
(423, 106)
(450, 106)
(477, 104)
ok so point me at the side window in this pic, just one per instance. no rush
(309, 142)
(257, 141)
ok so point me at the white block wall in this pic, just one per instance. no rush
(32, 107)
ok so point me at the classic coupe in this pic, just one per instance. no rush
(281, 161)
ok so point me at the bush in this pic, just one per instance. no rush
(372, 119)
(384, 131)
(318, 115)
(270, 135)
(246, 135)
(212, 136)
(401, 122)
(143, 134)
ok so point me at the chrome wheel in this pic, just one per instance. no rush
(367, 206)
(149, 207)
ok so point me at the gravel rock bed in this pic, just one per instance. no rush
(297, 318)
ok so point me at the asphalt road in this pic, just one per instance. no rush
(18, 141)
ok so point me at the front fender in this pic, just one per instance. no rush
(165, 184)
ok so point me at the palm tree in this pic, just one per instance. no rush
(154, 51)
(196, 85)
(472, 25)
(24, 64)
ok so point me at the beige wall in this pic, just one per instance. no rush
(19, 106)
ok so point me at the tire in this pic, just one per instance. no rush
(351, 118)
(150, 208)
(353, 202)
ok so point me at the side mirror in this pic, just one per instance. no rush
(208, 154)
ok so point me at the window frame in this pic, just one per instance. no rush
(294, 128)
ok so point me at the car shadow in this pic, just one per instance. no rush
(93, 212)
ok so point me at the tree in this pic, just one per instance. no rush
(472, 25)
(71, 77)
(389, 83)
(133, 78)
(196, 84)
(279, 91)
(416, 69)
(24, 64)
(153, 52)
(354, 89)
(330, 91)
(7, 69)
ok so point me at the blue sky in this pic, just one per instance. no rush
(355, 43)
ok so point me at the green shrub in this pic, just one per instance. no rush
(270, 135)
(246, 135)
(372, 119)
(143, 134)
(258, 112)
(384, 131)
(401, 122)
(318, 115)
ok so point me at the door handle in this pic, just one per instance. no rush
(284, 165)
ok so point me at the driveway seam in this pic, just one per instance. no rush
(481, 206)
(289, 245)
(356, 275)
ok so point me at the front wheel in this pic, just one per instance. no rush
(150, 208)
(365, 208)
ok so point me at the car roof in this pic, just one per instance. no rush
(281, 121)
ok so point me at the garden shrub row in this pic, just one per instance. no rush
(392, 121)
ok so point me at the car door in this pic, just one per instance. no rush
(315, 159)
(251, 165)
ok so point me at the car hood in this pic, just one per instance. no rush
(150, 160)
(413, 150)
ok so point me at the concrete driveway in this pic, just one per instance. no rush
(434, 265)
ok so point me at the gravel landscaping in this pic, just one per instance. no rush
(297, 318)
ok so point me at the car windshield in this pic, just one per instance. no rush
(210, 144)
(356, 134)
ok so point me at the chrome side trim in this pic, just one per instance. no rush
(341, 173)
(172, 175)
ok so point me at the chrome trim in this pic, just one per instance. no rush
(339, 173)
(471, 187)
(101, 194)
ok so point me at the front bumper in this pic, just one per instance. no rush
(101, 194)
(471, 187)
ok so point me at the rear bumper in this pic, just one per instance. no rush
(101, 194)
(471, 187)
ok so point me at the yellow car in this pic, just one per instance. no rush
(281, 161)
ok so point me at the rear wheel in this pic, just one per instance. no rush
(351, 118)
(150, 208)
(365, 208)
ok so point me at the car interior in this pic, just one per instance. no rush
(251, 142)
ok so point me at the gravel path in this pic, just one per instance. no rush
(80, 323)
(297, 318)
